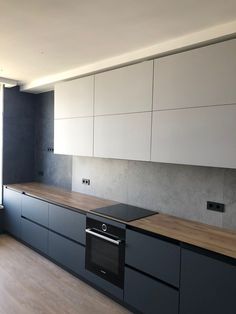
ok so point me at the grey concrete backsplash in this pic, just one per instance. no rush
(49, 168)
(173, 189)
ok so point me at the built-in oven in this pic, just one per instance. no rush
(105, 249)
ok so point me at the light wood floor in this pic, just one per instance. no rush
(29, 283)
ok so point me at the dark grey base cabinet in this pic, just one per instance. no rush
(153, 256)
(35, 235)
(67, 253)
(67, 222)
(208, 285)
(12, 212)
(149, 296)
(35, 210)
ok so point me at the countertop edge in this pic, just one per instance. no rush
(212, 233)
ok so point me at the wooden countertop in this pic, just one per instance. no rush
(215, 239)
(74, 200)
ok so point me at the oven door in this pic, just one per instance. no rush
(105, 256)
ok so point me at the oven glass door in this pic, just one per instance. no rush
(105, 257)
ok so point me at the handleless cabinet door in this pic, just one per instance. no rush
(198, 77)
(74, 136)
(67, 253)
(149, 296)
(195, 136)
(35, 210)
(157, 258)
(67, 222)
(123, 136)
(124, 90)
(35, 235)
(207, 285)
(74, 98)
(12, 212)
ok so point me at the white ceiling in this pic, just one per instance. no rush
(41, 38)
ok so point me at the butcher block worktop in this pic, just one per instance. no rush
(75, 200)
(215, 239)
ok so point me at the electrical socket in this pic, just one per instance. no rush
(86, 181)
(217, 207)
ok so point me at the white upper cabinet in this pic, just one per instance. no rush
(124, 90)
(74, 136)
(199, 77)
(74, 98)
(125, 136)
(197, 136)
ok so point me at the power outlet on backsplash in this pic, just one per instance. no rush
(86, 181)
(217, 207)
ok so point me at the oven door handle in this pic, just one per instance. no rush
(98, 235)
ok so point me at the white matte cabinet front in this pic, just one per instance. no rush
(125, 136)
(74, 98)
(74, 136)
(199, 77)
(203, 136)
(124, 90)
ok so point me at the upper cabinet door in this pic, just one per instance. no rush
(199, 77)
(74, 136)
(123, 136)
(74, 98)
(202, 136)
(124, 90)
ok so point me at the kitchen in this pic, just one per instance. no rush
(119, 170)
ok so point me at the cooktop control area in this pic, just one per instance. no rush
(124, 212)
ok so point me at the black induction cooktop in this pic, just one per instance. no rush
(124, 212)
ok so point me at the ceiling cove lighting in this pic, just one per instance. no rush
(8, 83)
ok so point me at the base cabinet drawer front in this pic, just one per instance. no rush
(208, 285)
(148, 295)
(35, 210)
(12, 212)
(67, 253)
(104, 285)
(35, 235)
(153, 256)
(67, 222)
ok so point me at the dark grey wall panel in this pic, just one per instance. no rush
(49, 168)
(28, 133)
(18, 136)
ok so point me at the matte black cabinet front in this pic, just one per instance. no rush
(208, 285)
(67, 253)
(149, 296)
(12, 212)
